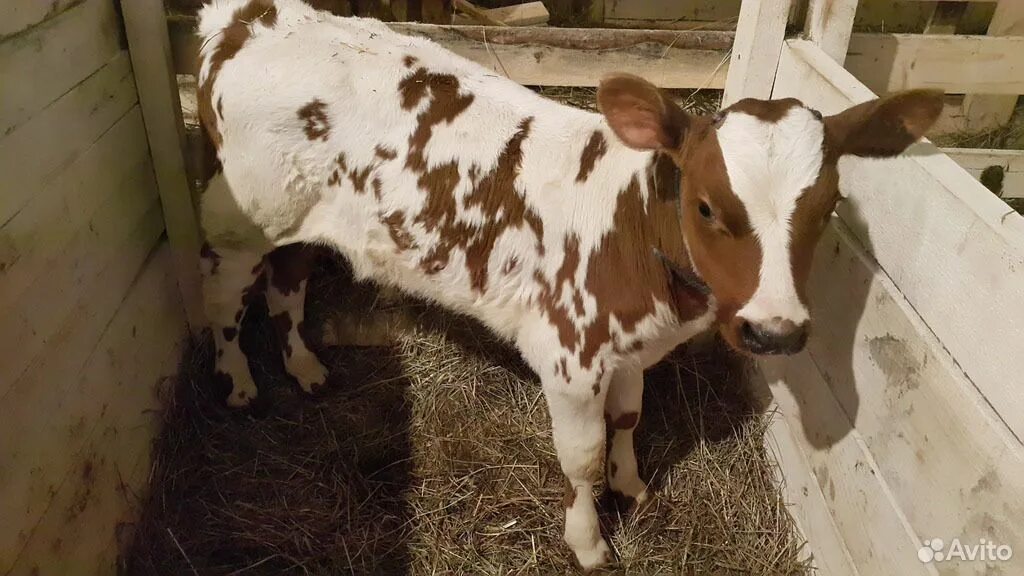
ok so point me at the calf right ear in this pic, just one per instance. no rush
(639, 114)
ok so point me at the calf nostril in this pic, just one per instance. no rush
(749, 333)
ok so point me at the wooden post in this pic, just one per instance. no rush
(755, 52)
(148, 43)
(988, 111)
(829, 24)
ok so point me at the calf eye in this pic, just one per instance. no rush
(705, 210)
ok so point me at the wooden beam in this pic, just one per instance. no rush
(146, 26)
(528, 14)
(755, 53)
(829, 24)
(957, 64)
(976, 161)
(479, 14)
(945, 17)
(556, 56)
(984, 111)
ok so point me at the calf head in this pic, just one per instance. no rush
(759, 185)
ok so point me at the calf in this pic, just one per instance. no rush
(595, 242)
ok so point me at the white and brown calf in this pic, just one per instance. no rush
(570, 233)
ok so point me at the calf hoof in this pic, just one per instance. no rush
(242, 394)
(594, 558)
(309, 372)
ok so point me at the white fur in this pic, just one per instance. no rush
(769, 165)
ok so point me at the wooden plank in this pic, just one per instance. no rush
(149, 44)
(829, 24)
(931, 227)
(38, 149)
(755, 52)
(30, 323)
(480, 15)
(528, 14)
(33, 238)
(872, 528)
(19, 15)
(38, 451)
(957, 64)
(107, 445)
(944, 454)
(555, 56)
(975, 161)
(805, 500)
(711, 10)
(986, 111)
(41, 65)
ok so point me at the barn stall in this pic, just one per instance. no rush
(900, 423)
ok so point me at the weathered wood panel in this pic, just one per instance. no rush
(957, 64)
(19, 15)
(31, 240)
(755, 51)
(44, 63)
(34, 153)
(107, 445)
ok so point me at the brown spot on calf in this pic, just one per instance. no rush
(283, 325)
(594, 150)
(396, 228)
(291, 265)
(317, 125)
(569, 495)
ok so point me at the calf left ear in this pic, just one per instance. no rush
(886, 127)
(639, 114)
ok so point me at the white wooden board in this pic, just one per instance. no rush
(18, 15)
(34, 153)
(117, 417)
(755, 51)
(957, 64)
(44, 63)
(31, 239)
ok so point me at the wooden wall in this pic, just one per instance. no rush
(90, 319)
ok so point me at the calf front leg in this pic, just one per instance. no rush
(286, 300)
(622, 414)
(578, 429)
(231, 279)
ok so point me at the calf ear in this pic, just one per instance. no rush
(639, 114)
(884, 128)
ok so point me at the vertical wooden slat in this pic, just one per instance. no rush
(755, 52)
(988, 111)
(829, 24)
(149, 44)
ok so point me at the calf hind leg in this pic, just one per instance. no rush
(286, 299)
(231, 279)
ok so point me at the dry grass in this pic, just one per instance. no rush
(434, 456)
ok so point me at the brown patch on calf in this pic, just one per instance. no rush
(291, 266)
(402, 238)
(625, 421)
(409, 60)
(317, 125)
(445, 105)
(550, 295)
(766, 110)
(229, 41)
(594, 150)
(384, 153)
(229, 333)
(207, 252)
(569, 495)
(283, 325)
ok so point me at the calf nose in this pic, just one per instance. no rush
(775, 336)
